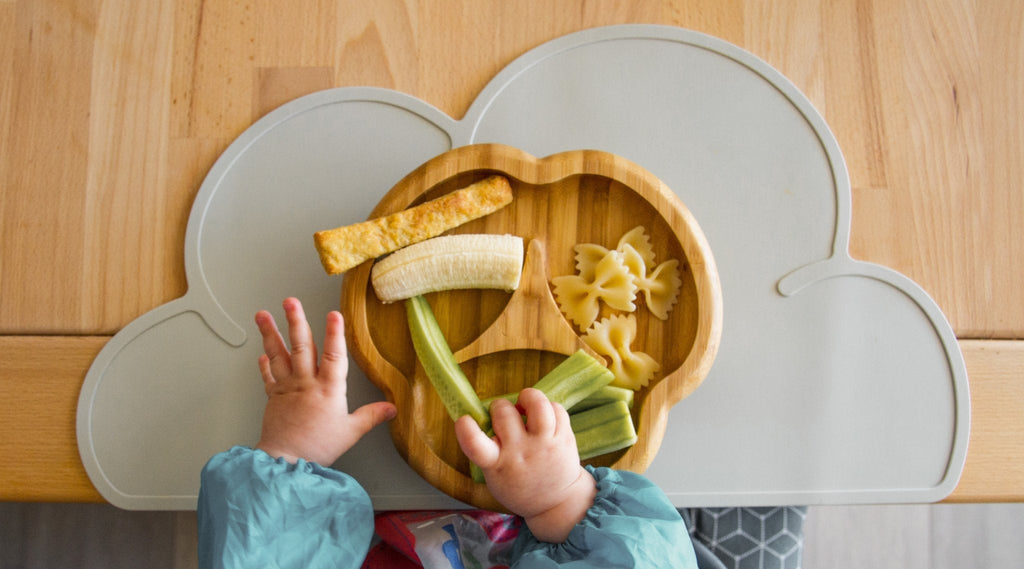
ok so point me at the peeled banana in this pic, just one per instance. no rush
(449, 262)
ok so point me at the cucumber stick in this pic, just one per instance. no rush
(570, 382)
(603, 429)
(606, 394)
(436, 357)
(574, 379)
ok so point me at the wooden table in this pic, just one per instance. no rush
(112, 112)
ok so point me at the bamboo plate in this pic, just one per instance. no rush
(504, 341)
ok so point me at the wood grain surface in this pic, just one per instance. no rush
(112, 111)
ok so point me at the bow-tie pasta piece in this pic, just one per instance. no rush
(578, 295)
(609, 280)
(588, 255)
(660, 287)
(638, 239)
(613, 337)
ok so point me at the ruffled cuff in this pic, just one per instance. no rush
(257, 511)
(631, 524)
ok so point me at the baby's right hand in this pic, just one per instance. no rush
(533, 469)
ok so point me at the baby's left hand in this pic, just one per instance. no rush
(307, 412)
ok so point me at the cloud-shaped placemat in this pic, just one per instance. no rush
(837, 381)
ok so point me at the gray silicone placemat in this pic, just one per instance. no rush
(837, 381)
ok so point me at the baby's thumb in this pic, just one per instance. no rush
(373, 414)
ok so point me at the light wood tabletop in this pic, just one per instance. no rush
(112, 112)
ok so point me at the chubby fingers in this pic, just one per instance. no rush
(563, 427)
(334, 362)
(539, 411)
(370, 415)
(477, 446)
(303, 353)
(275, 360)
(507, 422)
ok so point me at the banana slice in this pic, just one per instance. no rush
(449, 262)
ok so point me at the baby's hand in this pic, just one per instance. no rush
(533, 469)
(307, 412)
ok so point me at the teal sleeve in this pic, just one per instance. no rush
(257, 511)
(631, 524)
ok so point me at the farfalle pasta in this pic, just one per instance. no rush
(608, 280)
(613, 337)
(604, 275)
(616, 277)
(637, 239)
(659, 286)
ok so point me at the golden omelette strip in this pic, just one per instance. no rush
(342, 248)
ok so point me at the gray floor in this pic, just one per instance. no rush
(94, 536)
(962, 536)
(983, 536)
